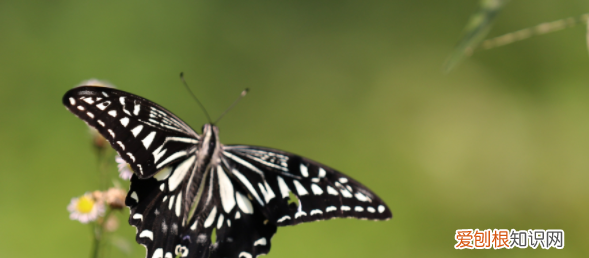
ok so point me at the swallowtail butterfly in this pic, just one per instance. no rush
(187, 185)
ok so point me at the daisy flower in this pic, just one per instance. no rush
(85, 208)
(125, 171)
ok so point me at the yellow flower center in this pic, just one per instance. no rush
(85, 204)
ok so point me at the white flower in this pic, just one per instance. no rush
(85, 208)
(125, 171)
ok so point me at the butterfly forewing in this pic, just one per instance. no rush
(272, 177)
(145, 134)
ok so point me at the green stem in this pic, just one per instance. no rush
(98, 233)
(96, 242)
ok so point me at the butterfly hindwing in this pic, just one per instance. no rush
(144, 134)
(159, 208)
(164, 225)
(272, 177)
(241, 228)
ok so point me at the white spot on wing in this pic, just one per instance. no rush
(300, 189)
(72, 101)
(121, 145)
(331, 191)
(244, 255)
(242, 162)
(343, 190)
(113, 113)
(330, 208)
(244, 204)
(136, 109)
(358, 209)
(125, 121)
(284, 190)
(304, 170)
(138, 216)
(182, 139)
(180, 173)
(179, 204)
(220, 221)
(104, 93)
(261, 241)
(266, 191)
(148, 139)
(361, 197)
(211, 218)
(100, 122)
(176, 155)
(345, 208)
(248, 185)
(158, 153)
(131, 156)
(137, 130)
(381, 208)
(283, 219)
(90, 114)
(300, 214)
(146, 233)
(316, 189)
(81, 108)
(103, 105)
(321, 172)
(345, 193)
(370, 209)
(343, 180)
(88, 100)
(158, 253)
(193, 227)
(316, 211)
(349, 188)
(112, 134)
(226, 190)
(134, 196)
(237, 215)
(171, 203)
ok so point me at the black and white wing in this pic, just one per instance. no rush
(145, 135)
(176, 203)
(188, 188)
(168, 230)
(271, 176)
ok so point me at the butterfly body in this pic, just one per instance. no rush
(187, 185)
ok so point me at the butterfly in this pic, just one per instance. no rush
(187, 186)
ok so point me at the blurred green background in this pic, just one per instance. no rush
(500, 142)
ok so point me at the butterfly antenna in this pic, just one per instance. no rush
(243, 93)
(194, 97)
